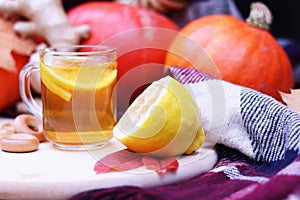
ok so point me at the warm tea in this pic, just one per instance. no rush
(78, 95)
(89, 118)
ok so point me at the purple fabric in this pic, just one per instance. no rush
(235, 176)
(215, 185)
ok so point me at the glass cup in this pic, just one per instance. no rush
(77, 90)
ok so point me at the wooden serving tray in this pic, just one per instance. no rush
(49, 173)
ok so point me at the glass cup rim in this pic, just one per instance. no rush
(96, 49)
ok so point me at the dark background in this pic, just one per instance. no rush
(286, 15)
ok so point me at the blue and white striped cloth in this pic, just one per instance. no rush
(241, 118)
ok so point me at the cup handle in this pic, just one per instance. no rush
(25, 90)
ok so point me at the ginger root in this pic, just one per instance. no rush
(45, 18)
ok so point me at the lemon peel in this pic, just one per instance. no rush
(164, 121)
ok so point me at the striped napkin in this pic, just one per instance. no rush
(244, 119)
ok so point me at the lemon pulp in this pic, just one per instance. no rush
(164, 121)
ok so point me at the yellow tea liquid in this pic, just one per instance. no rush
(79, 107)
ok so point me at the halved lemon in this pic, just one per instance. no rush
(62, 81)
(164, 120)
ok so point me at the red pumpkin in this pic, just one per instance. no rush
(107, 19)
(136, 34)
(242, 54)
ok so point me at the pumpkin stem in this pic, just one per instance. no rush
(260, 16)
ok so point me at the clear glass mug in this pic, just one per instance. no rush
(77, 90)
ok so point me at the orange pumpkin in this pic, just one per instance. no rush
(9, 87)
(14, 54)
(242, 53)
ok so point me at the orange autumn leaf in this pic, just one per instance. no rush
(10, 42)
(292, 100)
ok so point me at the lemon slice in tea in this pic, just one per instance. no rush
(63, 80)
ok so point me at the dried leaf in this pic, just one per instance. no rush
(122, 160)
(10, 42)
(292, 100)
(160, 165)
